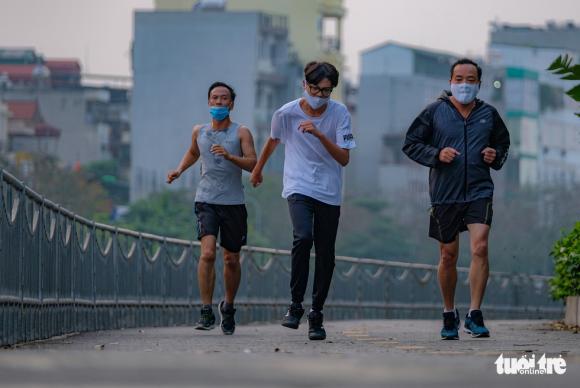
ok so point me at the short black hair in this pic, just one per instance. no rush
(217, 85)
(314, 72)
(466, 61)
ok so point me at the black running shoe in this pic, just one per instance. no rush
(293, 316)
(316, 331)
(450, 330)
(206, 319)
(228, 323)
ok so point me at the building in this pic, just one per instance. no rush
(396, 82)
(4, 114)
(540, 115)
(314, 26)
(92, 121)
(176, 56)
(27, 130)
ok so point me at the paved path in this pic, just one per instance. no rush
(400, 353)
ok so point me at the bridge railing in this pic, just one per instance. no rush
(62, 273)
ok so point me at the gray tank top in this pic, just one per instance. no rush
(221, 180)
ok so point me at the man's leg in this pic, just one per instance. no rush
(325, 226)
(233, 232)
(301, 213)
(447, 272)
(206, 269)
(326, 219)
(479, 269)
(233, 235)
(232, 275)
(301, 210)
(478, 275)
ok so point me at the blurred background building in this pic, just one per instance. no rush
(397, 81)
(176, 56)
(48, 110)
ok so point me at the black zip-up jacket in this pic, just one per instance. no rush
(467, 177)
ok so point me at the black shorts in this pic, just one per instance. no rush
(448, 220)
(230, 221)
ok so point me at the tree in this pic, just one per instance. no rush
(563, 67)
(71, 190)
(168, 213)
(108, 174)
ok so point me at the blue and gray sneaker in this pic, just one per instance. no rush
(450, 330)
(474, 325)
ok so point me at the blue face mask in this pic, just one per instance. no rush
(315, 102)
(464, 93)
(219, 113)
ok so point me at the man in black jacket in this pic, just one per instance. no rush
(460, 137)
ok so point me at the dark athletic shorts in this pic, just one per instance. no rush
(448, 220)
(230, 221)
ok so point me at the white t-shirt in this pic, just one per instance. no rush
(309, 169)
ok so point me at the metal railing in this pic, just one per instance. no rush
(62, 273)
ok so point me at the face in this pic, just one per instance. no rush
(220, 96)
(322, 89)
(465, 73)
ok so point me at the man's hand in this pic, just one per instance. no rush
(256, 178)
(219, 150)
(448, 154)
(309, 127)
(489, 155)
(172, 175)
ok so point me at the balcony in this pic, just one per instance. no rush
(332, 8)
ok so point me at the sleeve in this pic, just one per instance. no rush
(344, 136)
(278, 127)
(418, 146)
(499, 140)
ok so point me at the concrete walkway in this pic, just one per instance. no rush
(401, 353)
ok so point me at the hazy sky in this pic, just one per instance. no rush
(99, 32)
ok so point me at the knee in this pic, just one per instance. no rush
(208, 256)
(448, 259)
(480, 249)
(231, 259)
(303, 237)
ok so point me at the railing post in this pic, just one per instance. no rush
(94, 246)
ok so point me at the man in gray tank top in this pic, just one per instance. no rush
(225, 149)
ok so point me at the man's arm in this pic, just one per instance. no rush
(248, 159)
(189, 158)
(269, 147)
(499, 141)
(417, 144)
(341, 155)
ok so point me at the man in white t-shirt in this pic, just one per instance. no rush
(317, 135)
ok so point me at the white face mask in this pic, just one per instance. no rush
(464, 93)
(314, 101)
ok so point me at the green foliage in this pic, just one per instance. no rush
(168, 213)
(108, 174)
(367, 231)
(566, 253)
(563, 67)
(101, 168)
(70, 189)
